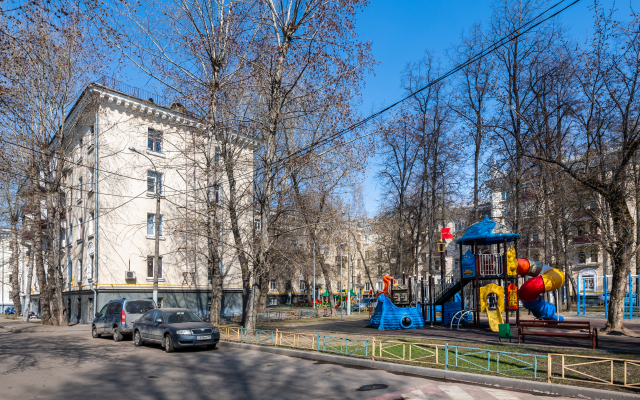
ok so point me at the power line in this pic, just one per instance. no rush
(493, 47)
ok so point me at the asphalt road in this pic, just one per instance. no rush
(68, 364)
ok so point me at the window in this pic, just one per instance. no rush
(379, 286)
(593, 229)
(581, 230)
(139, 306)
(90, 261)
(90, 138)
(273, 285)
(273, 301)
(92, 175)
(150, 265)
(582, 257)
(366, 239)
(69, 271)
(456, 263)
(535, 236)
(79, 151)
(80, 230)
(152, 181)
(257, 224)
(149, 316)
(379, 254)
(154, 142)
(457, 226)
(63, 200)
(505, 196)
(594, 256)
(587, 278)
(302, 286)
(79, 189)
(216, 189)
(367, 287)
(151, 225)
(367, 254)
(217, 156)
(79, 271)
(92, 226)
(70, 235)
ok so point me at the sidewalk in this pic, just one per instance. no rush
(19, 326)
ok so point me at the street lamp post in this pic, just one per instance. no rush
(156, 222)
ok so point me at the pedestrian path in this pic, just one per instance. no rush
(447, 391)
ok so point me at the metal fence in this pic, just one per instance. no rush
(551, 366)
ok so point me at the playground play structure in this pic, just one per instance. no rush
(339, 298)
(487, 282)
(594, 291)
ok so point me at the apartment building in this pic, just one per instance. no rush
(120, 147)
(586, 258)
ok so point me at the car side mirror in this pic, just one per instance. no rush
(97, 315)
(159, 320)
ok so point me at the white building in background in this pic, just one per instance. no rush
(108, 230)
(6, 276)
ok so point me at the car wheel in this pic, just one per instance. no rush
(212, 346)
(94, 332)
(168, 344)
(137, 339)
(117, 336)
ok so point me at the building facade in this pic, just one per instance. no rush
(119, 149)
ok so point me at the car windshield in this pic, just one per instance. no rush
(139, 306)
(176, 317)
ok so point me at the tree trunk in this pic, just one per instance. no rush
(235, 229)
(41, 274)
(213, 260)
(216, 283)
(621, 258)
(27, 289)
(15, 267)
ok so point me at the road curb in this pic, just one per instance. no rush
(489, 380)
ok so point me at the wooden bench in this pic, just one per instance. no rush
(558, 329)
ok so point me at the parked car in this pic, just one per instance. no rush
(363, 304)
(174, 328)
(117, 317)
(9, 311)
(626, 298)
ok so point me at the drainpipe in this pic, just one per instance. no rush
(95, 218)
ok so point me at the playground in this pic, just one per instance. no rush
(492, 296)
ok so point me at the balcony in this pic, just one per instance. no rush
(586, 239)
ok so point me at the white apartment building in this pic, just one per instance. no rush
(108, 230)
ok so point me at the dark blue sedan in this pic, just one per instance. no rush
(174, 328)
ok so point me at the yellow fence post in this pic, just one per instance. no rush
(612, 372)
(437, 355)
(563, 366)
(277, 336)
(625, 373)
(373, 351)
(549, 367)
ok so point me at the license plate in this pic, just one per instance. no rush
(208, 337)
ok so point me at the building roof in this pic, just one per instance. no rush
(487, 232)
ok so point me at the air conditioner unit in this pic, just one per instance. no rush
(130, 275)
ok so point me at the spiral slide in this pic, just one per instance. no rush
(545, 279)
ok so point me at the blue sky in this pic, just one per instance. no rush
(400, 32)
